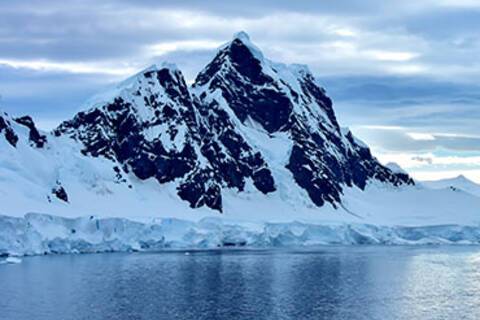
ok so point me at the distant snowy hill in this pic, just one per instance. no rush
(249, 140)
(457, 183)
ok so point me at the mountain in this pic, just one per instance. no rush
(280, 99)
(250, 138)
(458, 183)
(156, 128)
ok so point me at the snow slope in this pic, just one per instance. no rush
(30, 174)
(458, 183)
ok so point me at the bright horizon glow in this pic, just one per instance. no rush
(51, 66)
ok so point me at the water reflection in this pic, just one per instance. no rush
(333, 283)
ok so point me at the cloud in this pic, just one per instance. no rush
(427, 160)
(459, 3)
(50, 66)
(391, 55)
(431, 166)
(432, 161)
(403, 74)
(339, 39)
(47, 96)
(397, 139)
(421, 136)
(186, 45)
(345, 37)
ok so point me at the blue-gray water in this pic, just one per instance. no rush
(326, 283)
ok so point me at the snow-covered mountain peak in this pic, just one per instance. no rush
(462, 178)
(242, 36)
(165, 81)
(172, 67)
(458, 179)
(237, 57)
(456, 183)
(242, 39)
(265, 92)
(248, 127)
(255, 91)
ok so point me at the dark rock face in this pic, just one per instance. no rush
(116, 130)
(35, 137)
(60, 192)
(230, 156)
(324, 174)
(322, 160)
(199, 190)
(7, 131)
(205, 139)
(251, 93)
(161, 132)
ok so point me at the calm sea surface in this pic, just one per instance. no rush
(321, 283)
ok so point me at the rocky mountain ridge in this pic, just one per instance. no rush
(219, 134)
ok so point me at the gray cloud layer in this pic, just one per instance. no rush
(409, 65)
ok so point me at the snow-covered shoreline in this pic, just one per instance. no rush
(249, 155)
(38, 234)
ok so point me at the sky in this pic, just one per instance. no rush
(403, 75)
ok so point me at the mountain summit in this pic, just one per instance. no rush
(247, 126)
(276, 99)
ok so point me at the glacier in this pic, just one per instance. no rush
(38, 234)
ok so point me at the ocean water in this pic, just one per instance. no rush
(317, 283)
